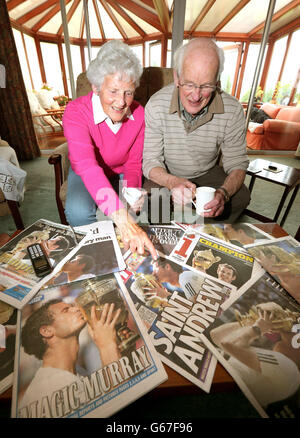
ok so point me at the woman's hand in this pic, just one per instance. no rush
(133, 236)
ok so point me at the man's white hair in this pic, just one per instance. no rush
(208, 43)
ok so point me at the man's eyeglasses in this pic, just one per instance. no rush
(189, 87)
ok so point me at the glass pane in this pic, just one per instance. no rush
(52, 67)
(138, 50)
(227, 76)
(22, 59)
(34, 62)
(155, 55)
(76, 64)
(291, 67)
(274, 69)
(94, 53)
(249, 73)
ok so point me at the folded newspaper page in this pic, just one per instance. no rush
(281, 258)
(18, 282)
(82, 351)
(257, 339)
(8, 321)
(239, 234)
(176, 304)
(163, 237)
(98, 253)
(215, 258)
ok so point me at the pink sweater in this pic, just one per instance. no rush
(96, 153)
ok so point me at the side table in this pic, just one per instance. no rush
(288, 177)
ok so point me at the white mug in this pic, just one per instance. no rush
(203, 196)
(132, 194)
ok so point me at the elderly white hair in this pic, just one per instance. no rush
(114, 57)
(182, 50)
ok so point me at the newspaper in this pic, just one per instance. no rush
(176, 304)
(18, 282)
(8, 321)
(97, 254)
(215, 258)
(257, 339)
(88, 360)
(239, 234)
(281, 258)
(163, 237)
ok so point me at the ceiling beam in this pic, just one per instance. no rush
(141, 12)
(163, 14)
(82, 24)
(201, 15)
(276, 16)
(55, 10)
(11, 4)
(36, 11)
(230, 16)
(130, 21)
(113, 19)
(70, 14)
(290, 27)
(50, 14)
(99, 20)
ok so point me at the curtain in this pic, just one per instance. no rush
(16, 126)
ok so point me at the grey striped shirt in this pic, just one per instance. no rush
(190, 151)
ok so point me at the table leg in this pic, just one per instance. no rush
(281, 204)
(13, 206)
(294, 194)
(252, 181)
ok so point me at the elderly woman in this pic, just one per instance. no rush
(105, 135)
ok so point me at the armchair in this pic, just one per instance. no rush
(46, 114)
(153, 78)
(280, 132)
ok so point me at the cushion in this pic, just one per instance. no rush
(253, 127)
(35, 106)
(270, 109)
(46, 99)
(257, 115)
(291, 114)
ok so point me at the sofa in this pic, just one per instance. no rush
(281, 131)
(152, 80)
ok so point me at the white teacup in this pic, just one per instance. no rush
(132, 194)
(203, 196)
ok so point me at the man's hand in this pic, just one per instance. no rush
(182, 190)
(215, 207)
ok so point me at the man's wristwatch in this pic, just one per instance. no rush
(224, 193)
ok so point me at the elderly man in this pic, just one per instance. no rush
(188, 124)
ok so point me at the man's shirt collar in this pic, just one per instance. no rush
(191, 123)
